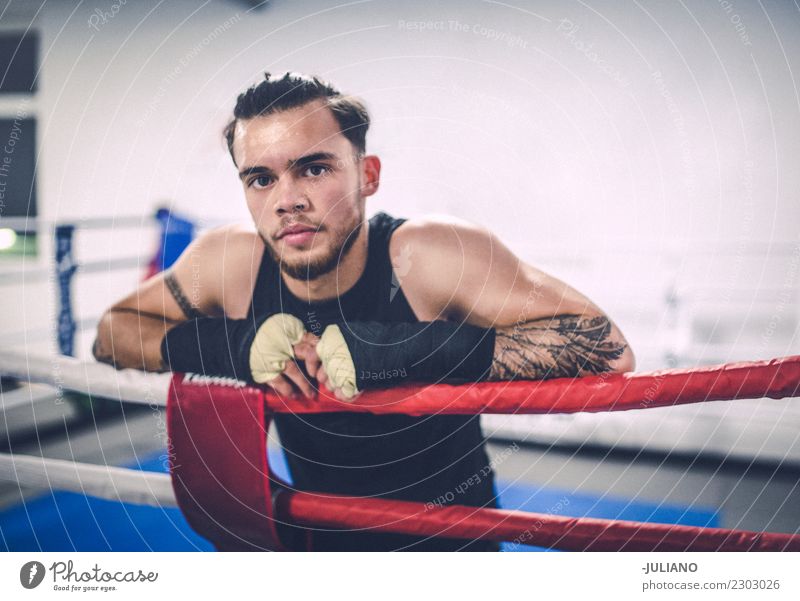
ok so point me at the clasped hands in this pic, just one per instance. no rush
(282, 341)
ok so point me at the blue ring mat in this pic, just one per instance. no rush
(62, 521)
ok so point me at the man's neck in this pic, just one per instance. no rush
(338, 281)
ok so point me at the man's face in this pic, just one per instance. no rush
(299, 171)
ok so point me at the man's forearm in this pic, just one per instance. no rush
(563, 346)
(130, 338)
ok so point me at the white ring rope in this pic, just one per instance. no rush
(88, 377)
(94, 379)
(105, 482)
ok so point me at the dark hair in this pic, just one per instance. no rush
(294, 90)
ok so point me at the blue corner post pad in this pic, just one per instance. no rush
(65, 270)
(177, 232)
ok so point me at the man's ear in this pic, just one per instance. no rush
(370, 174)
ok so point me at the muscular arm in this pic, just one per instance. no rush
(544, 328)
(212, 277)
(129, 333)
(127, 337)
(562, 346)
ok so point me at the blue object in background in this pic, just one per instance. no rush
(176, 234)
(64, 521)
(65, 269)
(561, 502)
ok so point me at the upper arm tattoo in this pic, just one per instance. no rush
(564, 346)
(175, 289)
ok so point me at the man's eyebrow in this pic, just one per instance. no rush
(291, 164)
(311, 158)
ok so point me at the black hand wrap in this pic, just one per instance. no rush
(434, 351)
(211, 346)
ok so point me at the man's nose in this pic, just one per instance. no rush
(290, 197)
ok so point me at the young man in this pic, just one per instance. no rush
(316, 283)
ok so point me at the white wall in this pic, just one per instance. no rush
(467, 124)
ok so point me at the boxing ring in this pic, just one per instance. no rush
(173, 233)
(220, 476)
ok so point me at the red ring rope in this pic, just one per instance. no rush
(223, 483)
(774, 378)
(537, 529)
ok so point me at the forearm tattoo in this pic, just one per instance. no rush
(564, 346)
(188, 310)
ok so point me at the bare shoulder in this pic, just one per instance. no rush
(221, 266)
(435, 256)
(443, 241)
(223, 251)
(235, 236)
(434, 234)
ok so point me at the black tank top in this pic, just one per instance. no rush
(430, 459)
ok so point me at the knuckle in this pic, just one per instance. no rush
(281, 386)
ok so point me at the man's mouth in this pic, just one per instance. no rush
(297, 234)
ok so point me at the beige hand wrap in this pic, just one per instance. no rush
(335, 356)
(272, 346)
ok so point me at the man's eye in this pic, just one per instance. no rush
(316, 170)
(262, 181)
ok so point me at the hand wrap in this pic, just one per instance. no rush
(361, 355)
(233, 348)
